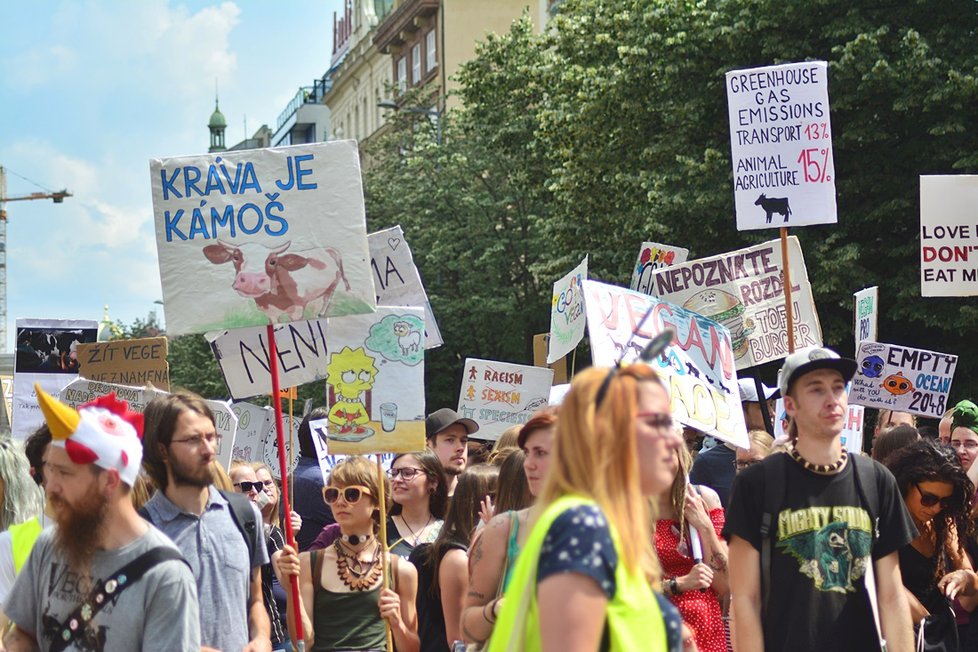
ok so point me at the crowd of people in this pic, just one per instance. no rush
(599, 524)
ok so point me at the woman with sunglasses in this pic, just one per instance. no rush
(342, 602)
(419, 490)
(583, 580)
(695, 586)
(934, 566)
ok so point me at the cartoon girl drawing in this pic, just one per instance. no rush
(351, 373)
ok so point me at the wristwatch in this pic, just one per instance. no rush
(674, 586)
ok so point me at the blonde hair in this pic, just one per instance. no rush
(595, 456)
(508, 438)
(762, 439)
(220, 477)
(680, 486)
(360, 471)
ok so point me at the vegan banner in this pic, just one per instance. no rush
(242, 354)
(497, 395)
(257, 236)
(698, 367)
(949, 235)
(781, 146)
(567, 314)
(126, 362)
(651, 258)
(903, 379)
(47, 354)
(83, 390)
(375, 380)
(397, 280)
(744, 291)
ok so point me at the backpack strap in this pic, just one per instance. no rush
(108, 591)
(864, 475)
(244, 518)
(317, 567)
(774, 487)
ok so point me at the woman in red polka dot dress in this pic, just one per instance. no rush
(695, 589)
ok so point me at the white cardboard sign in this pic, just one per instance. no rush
(497, 395)
(82, 391)
(242, 354)
(949, 235)
(262, 236)
(567, 313)
(902, 379)
(866, 309)
(698, 367)
(652, 257)
(397, 280)
(781, 146)
(744, 291)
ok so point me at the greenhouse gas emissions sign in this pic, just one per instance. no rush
(781, 146)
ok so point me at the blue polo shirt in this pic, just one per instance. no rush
(218, 555)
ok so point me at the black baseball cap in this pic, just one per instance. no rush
(445, 417)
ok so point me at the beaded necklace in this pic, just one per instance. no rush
(821, 469)
(358, 574)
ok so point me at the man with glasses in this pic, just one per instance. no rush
(809, 530)
(180, 444)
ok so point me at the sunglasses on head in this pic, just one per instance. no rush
(929, 499)
(351, 494)
(650, 352)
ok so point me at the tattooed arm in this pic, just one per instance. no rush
(486, 560)
(699, 504)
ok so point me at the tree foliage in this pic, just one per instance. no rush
(611, 128)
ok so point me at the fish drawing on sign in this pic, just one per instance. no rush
(897, 384)
(282, 283)
(872, 366)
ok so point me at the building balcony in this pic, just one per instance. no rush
(401, 24)
(305, 118)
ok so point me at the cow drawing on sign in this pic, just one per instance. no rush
(408, 340)
(772, 205)
(281, 283)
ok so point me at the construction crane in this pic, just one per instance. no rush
(58, 198)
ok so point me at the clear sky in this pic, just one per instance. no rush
(90, 91)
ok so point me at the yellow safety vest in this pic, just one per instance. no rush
(633, 615)
(22, 538)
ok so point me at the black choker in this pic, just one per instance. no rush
(356, 539)
(821, 469)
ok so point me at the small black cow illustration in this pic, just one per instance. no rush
(772, 205)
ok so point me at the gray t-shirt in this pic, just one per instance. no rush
(158, 612)
(218, 555)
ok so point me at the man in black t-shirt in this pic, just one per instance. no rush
(823, 534)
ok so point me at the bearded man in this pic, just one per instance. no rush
(68, 595)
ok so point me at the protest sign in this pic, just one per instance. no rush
(47, 354)
(567, 313)
(698, 367)
(375, 382)
(902, 379)
(744, 291)
(949, 236)
(497, 395)
(781, 146)
(7, 384)
(126, 362)
(242, 354)
(651, 258)
(82, 390)
(319, 430)
(397, 280)
(852, 431)
(254, 423)
(866, 311)
(261, 236)
(541, 342)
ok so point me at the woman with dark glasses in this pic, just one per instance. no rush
(342, 602)
(419, 490)
(934, 566)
